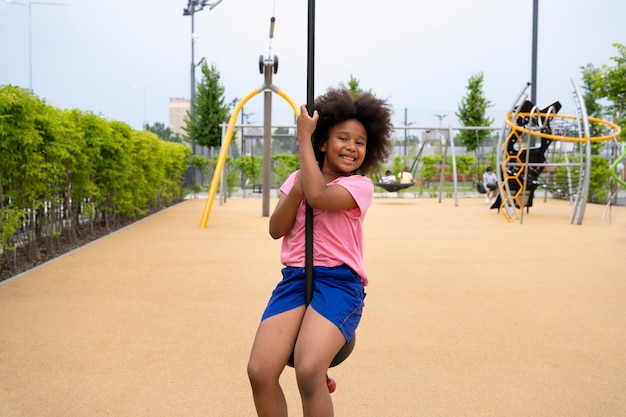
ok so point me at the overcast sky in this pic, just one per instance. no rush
(124, 59)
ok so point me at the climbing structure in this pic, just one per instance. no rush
(528, 134)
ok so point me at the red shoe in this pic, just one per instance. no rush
(332, 385)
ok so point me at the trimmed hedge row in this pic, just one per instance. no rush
(64, 170)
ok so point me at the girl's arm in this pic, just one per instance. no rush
(284, 214)
(317, 193)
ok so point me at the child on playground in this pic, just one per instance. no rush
(405, 176)
(345, 138)
(389, 178)
(490, 184)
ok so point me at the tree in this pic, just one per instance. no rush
(353, 87)
(283, 140)
(609, 82)
(590, 96)
(592, 104)
(204, 127)
(472, 112)
(159, 129)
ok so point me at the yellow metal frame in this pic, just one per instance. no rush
(516, 131)
(221, 160)
(615, 128)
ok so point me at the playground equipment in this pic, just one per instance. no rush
(614, 172)
(397, 186)
(521, 162)
(267, 67)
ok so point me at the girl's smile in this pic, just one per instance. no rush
(345, 148)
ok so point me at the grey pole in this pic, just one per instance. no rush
(192, 7)
(267, 137)
(533, 75)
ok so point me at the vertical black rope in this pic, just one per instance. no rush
(310, 99)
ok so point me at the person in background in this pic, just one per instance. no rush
(405, 176)
(389, 178)
(491, 185)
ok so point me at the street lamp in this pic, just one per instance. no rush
(193, 7)
(144, 88)
(440, 117)
(30, 32)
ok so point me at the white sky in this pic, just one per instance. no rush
(124, 59)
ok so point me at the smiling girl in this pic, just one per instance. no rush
(344, 139)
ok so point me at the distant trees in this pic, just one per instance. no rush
(472, 111)
(163, 132)
(204, 126)
(354, 87)
(607, 83)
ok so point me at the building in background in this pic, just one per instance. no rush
(178, 111)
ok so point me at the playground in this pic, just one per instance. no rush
(466, 315)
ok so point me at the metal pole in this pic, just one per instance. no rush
(29, 5)
(310, 102)
(405, 136)
(30, 47)
(267, 138)
(193, 78)
(533, 75)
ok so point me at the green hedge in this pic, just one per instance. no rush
(63, 169)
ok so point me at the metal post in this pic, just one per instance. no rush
(267, 137)
(193, 78)
(310, 103)
(533, 75)
(30, 48)
(192, 7)
(405, 136)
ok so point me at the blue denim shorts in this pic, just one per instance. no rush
(338, 295)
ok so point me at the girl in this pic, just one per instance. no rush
(350, 137)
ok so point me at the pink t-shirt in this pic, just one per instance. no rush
(337, 234)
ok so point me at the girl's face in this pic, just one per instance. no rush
(344, 150)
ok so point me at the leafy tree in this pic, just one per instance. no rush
(201, 164)
(609, 82)
(204, 127)
(251, 166)
(283, 165)
(159, 129)
(472, 112)
(353, 87)
(284, 140)
(591, 99)
(593, 105)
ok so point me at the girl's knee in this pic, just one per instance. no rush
(261, 371)
(257, 372)
(308, 376)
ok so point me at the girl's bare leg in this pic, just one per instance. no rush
(318, 342)
(271, 349)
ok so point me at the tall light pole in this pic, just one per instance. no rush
(440, 117)
(193, 7)
(144, 105)
(30, 5)
(406, 125)
(533, 69)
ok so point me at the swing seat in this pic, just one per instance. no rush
(393, 186)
